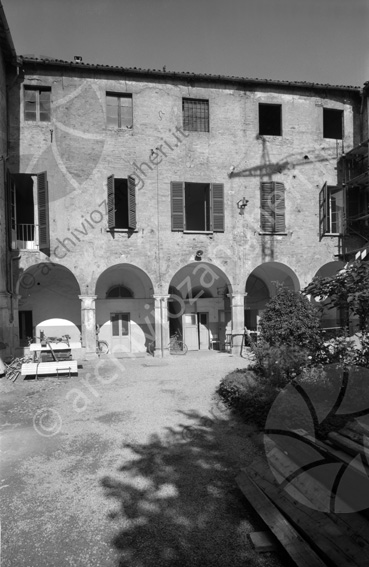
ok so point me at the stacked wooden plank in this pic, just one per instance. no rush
(49, 368)
(293, 501)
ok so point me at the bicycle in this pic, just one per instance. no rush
(176, 345)
(102, 347)
(151, 348)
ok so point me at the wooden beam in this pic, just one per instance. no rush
(334, 540)
(294, 544)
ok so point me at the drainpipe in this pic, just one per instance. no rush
(11, 319)
(161, 329)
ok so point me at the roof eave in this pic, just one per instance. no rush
(183, 75)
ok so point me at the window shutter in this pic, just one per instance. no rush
(111, 202)
(279, 208)
(323, 211)
(177, 202)
(132, 222)
(43, 210)
(267, 207)
(217, 202)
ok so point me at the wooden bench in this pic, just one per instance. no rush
(49, 368)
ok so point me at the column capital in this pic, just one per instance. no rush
(88, 301)
(161, 296)
(234, 294)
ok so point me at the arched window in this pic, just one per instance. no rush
(119, 291)
(199, 292)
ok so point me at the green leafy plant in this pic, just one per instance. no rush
(279, 364)
(348, 290)
(289, 319)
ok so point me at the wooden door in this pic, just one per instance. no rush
(190, 331)
(203, 327)
(120, 332)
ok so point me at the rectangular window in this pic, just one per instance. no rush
(119, 110)
(197, 207)
(272, 207)
(120, 324)
(37, 104)
(29, 211)
(332, 123)
(195, 115)
(330, 210)
(270, 119)
(121, 203)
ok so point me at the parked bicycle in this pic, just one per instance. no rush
(102, 347)
(176, 345)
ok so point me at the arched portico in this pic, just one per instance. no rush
(261, 287)
(47, 291)
(125, 309)
(199, 305)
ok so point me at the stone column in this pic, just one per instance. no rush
(238, 320)
(161, 325)
(88, 324)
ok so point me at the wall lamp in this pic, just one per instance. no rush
(199, 253)
(242, 204)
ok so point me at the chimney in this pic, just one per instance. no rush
(77, 59)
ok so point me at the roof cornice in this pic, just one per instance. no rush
(180, 75)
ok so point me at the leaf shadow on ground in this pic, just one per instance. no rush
(176, 503)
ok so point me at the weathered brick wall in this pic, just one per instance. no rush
(5, 313)
(81, 152)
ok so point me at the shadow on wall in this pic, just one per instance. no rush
(178, 505)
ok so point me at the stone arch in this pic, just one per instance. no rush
(260, 288)
(125, 308)
(199, 306)
(47, 291)
(126, 275)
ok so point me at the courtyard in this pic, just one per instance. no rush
(132, 463)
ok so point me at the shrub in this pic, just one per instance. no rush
(339, 349)
(251, 397)
(279, 364)
(289, 319)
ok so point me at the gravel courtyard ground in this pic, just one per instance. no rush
(132, 464)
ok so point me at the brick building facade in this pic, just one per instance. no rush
(149, 201)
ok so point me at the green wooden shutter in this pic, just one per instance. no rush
(177, 204)
(43, 211)
(217, 203)
(267, 207)
(111, 202)
(279, 208)
(132, 221)
(323, 211)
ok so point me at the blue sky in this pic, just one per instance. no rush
(323, 41)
